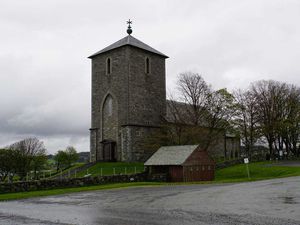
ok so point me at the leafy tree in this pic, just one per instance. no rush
(38, 163)
(65, 158)
(26, 150)
(7, 163)
(60, 159)
(72, 155)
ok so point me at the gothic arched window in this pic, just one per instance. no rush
(109, 105)
(108, 66)
(147, 65)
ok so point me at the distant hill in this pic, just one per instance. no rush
(83, 157)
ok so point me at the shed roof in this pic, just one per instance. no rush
(171, 155)
(129, 40)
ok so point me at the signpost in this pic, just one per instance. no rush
(246, 161)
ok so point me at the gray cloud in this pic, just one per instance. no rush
(45, 75)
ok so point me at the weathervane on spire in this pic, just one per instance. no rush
(129, 30)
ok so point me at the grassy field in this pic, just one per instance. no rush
(66, 171)
(258, 171)
(110, 168)
(238, 173)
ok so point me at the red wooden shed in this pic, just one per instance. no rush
(182, 163)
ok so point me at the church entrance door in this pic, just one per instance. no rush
(109, 151)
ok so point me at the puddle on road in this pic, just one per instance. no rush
(288, 200)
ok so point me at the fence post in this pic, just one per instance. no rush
(135, 169)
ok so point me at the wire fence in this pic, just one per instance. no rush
(103, 171)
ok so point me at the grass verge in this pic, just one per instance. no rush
(30, 194)
(258, 171)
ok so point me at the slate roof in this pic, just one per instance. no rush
(171, 155)
(129, 40)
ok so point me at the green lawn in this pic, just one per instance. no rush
(110, 168)
(258, 171)
(66, 171)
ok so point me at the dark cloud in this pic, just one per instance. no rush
(45, 75)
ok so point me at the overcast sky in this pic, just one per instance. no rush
(45, 75)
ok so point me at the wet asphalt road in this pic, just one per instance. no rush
(275, 202)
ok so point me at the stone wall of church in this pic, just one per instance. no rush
(103, 85)
(233, 147)
(134, 141)
(147, 91)
(115, 84)
(217, 148)
(225, 148)
(93, 144)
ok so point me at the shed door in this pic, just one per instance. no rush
(176, 173)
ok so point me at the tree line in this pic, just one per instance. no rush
(29, 156)
(267, 112)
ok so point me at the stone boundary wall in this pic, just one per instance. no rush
(75, 182)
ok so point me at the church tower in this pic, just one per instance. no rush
(128, 99)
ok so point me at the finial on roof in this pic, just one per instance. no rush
(129, 30)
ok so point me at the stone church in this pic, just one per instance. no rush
(128, 99)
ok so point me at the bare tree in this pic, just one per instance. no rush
(289, 126)
(278, 113)
(205, 107)
(27, 149)
(246, 119)
(194, 92)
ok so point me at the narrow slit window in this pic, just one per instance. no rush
(147, 65)
(108, 66)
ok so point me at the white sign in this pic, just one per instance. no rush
(280, 153)
(246, 160)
